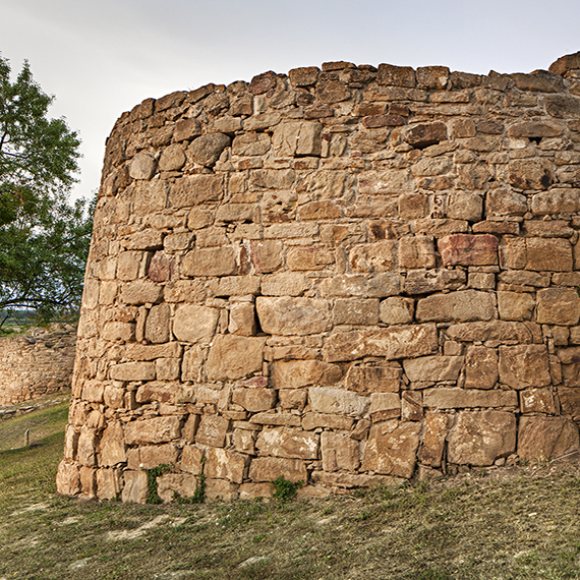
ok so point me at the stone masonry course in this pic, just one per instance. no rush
(344, 276)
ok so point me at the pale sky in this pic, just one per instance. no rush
(102, 58)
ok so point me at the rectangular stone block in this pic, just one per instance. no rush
(426, 370)
(468, 250)
(289, 443)
(524, 366)
(212, 430)
(427, 281)
(496, 332)
(356, 312)
(339, 452)
(194, 190)
(234, 357)
(341, 401)
(293, 316)
(417, 252)
(446, 398)
(376, 286)
(392, 343)
(384, 406)
(481, 368)
(376, 257)
(153, 430)
(558, 306)
(460, 306)
(303, 373)
(270, 468)
(133, 371)
(209, 262)
(385, 378)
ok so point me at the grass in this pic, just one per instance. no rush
(521, 524)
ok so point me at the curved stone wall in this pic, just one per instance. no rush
(344, 277)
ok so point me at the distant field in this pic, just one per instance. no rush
(524, 524)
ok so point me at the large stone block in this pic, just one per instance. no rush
(460, 306)
(304, 373)
(547, 438)
(195, 323)
(481, 437)
(558, 306)
(225, 464)
(392, 343)
(377, 378)
(444, 398)
(481, 368)
(153, 430)
(468, 250)
(212, 430)
(206, 150)
(289, 443)
(234, 357)
(436, 426)
(271, 468)
(339, 451)
(376, 257)
(341, 401)
(293, 316)
(210, 262)
(426, 370)
(254, 400)
(524, 366)
(391, 448)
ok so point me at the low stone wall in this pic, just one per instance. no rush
(37, 363)
(343, 277)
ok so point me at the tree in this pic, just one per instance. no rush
(43, 237)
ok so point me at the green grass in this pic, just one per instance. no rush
(521, 524)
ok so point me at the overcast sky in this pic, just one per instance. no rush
(102, 58)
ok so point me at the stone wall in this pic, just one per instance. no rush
(37, 363)
(344, 277)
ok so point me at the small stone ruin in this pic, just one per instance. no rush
(344, 277)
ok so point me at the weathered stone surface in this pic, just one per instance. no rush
(154, 430)
(529, 174)
(384, 406)
(558, 306)
(195, 323)
(270, 468)
(515, 305)
(556, 201)
(194, 190)
(417, 252)
(254, 400)
(538, 401)
(427, 370)
(392, 343)
(293, 316)
(141, 292)
(468, 250)
(524, 366)
(481, 368)
(212, 430)
(444, 398)
(297, 139)
(546, 438)
(112, 447)
(391, 448)
(339, 452)
(143, 166)
(133, 371)
(289, 443)
(225, 464)
(481, 437)
(375, 257)
(433, 438)
(378, 378)
(397, 310)
(356, 311)
(427, 281)
(425, 134)
(210, 262)
(332, 400)
(136, 487)
(234, 357)
(496, 331)
(304, 373)
(206, 150)
(460, 306)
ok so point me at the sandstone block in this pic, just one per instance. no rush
(496, 332)
(341, 401)
(426, 370)
(254, 400)
(570, 401)
(375, 257)
(547, 438)
(558, 306)
(212, 430)
(251, 144)
(397, 310)
(465, 206)
(191, 459)
(195, 323)
(312, 421)
(225, 464)
(288, 443)
(549, 255)
(468, 250)
(112, 445)
(108, 484)
(481, 437)
(210, 262)
(515, 305)
(270, 468)
(356, 311)
(242, 319)
(293, 316)
(460, 306)
(157, 324)
(425, 134)
(206, 150)
(378, 378)
(396, 76)
(304, 373)
(538, 401)
(141, 292)
(136, 487)
(266, 255)
(376, 286)
(427, 281)
(530, 174)
(433, 438)
(193, 190)
(172, 158)
(556, 201)
(481, 368)
(384, 406)
(391, 448)
(392, 343)
(185, 129)
(284, 284)
(339, 452)
(309, 258)
(153, 430)
(504, 202)
(524, 366)
(150, 456)
(143, 166)
(297, 139)
(234, 357)
(417, 252)
(444, 398)
(133, 371)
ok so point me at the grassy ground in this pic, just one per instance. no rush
(523, 524)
